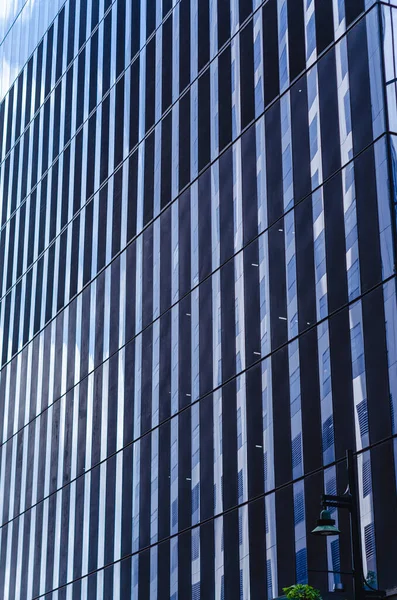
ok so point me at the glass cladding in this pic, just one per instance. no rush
(390, 59)
(22, 26)
(198, 309)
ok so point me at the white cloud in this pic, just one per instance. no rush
(6, 9)
(16, 15)
(5, 77)
(8, 74)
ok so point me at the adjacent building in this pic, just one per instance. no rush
(198, 310)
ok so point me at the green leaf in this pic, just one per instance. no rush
(302, 592)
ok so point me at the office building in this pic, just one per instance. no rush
(198, 310)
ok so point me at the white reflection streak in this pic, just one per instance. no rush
(13, 17)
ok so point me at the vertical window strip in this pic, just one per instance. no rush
(245, 592)
(283, 43)
(24, 470)
(12, 324)
(242, 465)
(10, 528)
(58, 504)
(258, 71)
(237, 197)
(156, 374)
(236, 87)
(213, 24)
(218, 452)
(135, 579)
(102, 516)
(324, 363)
(57, 272)
(291, 275)
(314, 128)
(135, 495)
(361, 415)
(175, 59)
(196, 575)
(137, 386)
(375, 71)
(240, 312)
(339, 17)
(271, 547)
(5, 424)
(267, 419)
(264, 294)
(384, 212)
(234, 17)
(18, 570)
(157, 172)
(4, 339)
(195, 467)
(390, 303)
(174, 477)
(87, 486)
(219, 559)
(47, 212)
(120, 400)
(296, 411)
(286, 148)
(333, 551)
(216, 330)
(71, 535)
(174, 359)
(215, 216)
(154, 487)
(301, 566)
(194, 129)
(261, 176)
(82, 216)
(14, 109)
(310, 33)
(342, 77)
(319, 253)
(300, 532)
(195, 354)
(154, 573)
(214, 94)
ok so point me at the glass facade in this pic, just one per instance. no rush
(198, 310)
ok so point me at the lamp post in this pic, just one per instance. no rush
(326, 527)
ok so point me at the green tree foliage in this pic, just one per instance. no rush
(302, 592)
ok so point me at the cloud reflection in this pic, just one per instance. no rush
(22, 25)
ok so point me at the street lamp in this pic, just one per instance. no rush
(326, 526)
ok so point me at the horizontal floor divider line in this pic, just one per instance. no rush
(10, 28)
(74, 59)
(226, 512)
(169, 110)
(107, 93)
(186, 408)
(150, 223)
(197, 286)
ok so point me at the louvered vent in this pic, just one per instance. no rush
(301, 566)
(367, 484)
(328, 433)
(362, 413)
(296, 451)
(369, 539)
(299, 508)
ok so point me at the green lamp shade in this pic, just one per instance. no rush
(326, 525)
